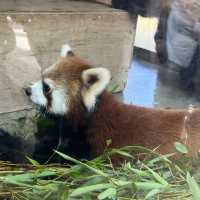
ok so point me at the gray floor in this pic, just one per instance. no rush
(153, 86)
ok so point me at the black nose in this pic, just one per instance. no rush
(27, 91)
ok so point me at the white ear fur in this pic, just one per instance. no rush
(65, 49)
(90, 92)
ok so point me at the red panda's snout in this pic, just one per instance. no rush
(68, 82)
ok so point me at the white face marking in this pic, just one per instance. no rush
(57, 95)
(58, 104)
(58, 98)
(37, 95)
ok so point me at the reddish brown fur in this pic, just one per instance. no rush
(125, 124)
(133, 125)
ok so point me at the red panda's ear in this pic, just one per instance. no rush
(66, 51)
(95, 81)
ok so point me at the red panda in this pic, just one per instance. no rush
(75, 90)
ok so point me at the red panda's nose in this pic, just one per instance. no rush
(27, 91)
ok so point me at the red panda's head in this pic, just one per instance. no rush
(67, 83)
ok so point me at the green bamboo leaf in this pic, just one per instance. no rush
(157, 177)
(161, 158)
(47, 196)
(97, 171)
(87, 189)
(22, 178)
(45, 173)
(139, 172)
(33, 162)
(95, 180)
(28, 177)
(181, 147)
(122, 183)
(150, 185)
(14, 182)
(86, 197)
(194, 187)
(110, 193)
(152, 193)
(122, 153)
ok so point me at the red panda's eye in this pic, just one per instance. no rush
(46, 87)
